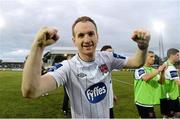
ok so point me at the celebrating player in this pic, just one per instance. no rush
(85, 76)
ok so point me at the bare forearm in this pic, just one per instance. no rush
(151, 75)
(138, 59)
(32, 71)
(178, 81)
(141, 37)
(33, 85)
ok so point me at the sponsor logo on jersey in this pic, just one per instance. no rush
(174, 74)
(118, 56)
(55, 67)
(103, 68)
(96, 92)
(81, 75)
(140, 72)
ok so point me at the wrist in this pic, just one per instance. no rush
(38, 44)
(158, 71)
(143, 47)
(37, 47)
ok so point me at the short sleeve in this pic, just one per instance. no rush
(60, 72)
(171, 73)
(118, 61)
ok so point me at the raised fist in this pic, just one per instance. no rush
(46, 36)
(141, 37)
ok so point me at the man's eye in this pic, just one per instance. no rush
(91, 34)
(81, 35)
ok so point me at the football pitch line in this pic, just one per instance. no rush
(122, 82)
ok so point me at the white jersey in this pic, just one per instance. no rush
(87, 83)
(111, 95)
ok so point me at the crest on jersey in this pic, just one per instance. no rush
(103, 68)
(174, 74)
(96, 92)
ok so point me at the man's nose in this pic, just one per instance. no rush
(87, 38)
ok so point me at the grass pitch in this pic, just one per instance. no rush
(12, 104)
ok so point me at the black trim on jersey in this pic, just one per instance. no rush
(118, 56)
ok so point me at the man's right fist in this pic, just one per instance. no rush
(46, 36)
(162, 67)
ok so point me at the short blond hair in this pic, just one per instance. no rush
(83, 19)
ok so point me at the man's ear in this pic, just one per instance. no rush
(73, 39)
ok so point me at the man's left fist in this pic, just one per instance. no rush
(142, 38)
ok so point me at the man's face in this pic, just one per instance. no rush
(85, 38)
(176, 57)
(150, 58)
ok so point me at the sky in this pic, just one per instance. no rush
(20, 20)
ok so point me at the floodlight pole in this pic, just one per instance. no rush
(161, 46)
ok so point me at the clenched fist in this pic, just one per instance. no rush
(162, 67)
(46, 36)
(141, 37)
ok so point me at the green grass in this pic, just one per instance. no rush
(12, 104)
(124, 92)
